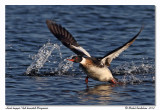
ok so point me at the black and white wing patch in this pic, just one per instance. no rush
(107, 59)
(66, 38)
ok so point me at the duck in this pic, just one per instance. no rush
(96, 68)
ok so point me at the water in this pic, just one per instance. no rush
(31, 48)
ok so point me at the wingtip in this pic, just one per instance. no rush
(141, 29)
(49, 21)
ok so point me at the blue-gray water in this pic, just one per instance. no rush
(99, 29)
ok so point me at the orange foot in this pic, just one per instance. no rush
(86, 80)
(114, 81)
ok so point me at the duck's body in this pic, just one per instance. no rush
(95, 71)
(95, 68)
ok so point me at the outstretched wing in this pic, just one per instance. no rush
(66, 38)
(107, 59)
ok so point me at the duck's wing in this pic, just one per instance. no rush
(66, 38)
(107, 59)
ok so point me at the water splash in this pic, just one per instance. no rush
(135, 73)
(41, 57)
(45, 55)
(63, 66)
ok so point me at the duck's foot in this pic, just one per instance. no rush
(86, 80)
(114, 81)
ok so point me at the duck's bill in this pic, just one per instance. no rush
(71, 60)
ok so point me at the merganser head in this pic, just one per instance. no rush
(76, 59)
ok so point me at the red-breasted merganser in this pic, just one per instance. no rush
(95, 68)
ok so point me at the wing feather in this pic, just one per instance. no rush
(107, 59)
(66, 38)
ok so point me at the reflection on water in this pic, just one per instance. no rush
(105, 94)
(102, 93)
